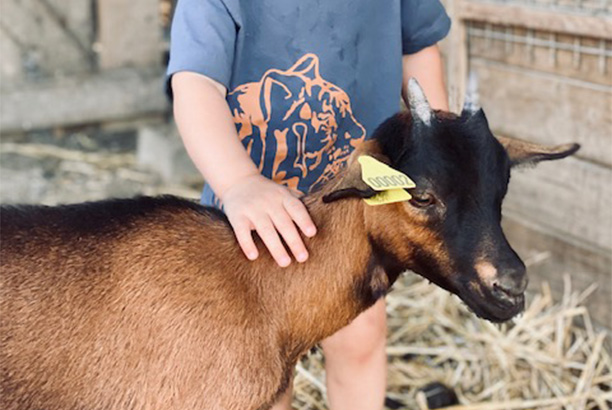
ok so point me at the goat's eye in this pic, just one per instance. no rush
(422, 200)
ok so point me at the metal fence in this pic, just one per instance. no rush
(587, 7)
(578, 57)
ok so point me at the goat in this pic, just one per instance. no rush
(148, 303)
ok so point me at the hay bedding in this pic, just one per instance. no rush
(550, 358)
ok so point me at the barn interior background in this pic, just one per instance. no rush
(83, 116)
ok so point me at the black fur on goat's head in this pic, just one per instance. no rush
(450, 231)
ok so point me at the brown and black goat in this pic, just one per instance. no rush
(148, 303)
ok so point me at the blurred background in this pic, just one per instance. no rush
(84, 116)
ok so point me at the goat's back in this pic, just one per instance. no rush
(125, 304)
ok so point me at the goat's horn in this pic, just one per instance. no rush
(471, 104)
(419, 107)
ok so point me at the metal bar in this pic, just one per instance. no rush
(539, 42)
(577, 54)
(530, 45)
(603, 61)
(553, 49)
(511, 14)
(589, 7)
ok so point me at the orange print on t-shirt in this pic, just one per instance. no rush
(297, 127)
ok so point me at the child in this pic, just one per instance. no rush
(270, 98)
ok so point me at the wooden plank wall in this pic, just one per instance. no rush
(42, 38)
(67, 63)
(109, 96)
(569, 201)
(130, 33)
(559, 209)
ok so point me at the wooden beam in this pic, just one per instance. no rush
(523, 16)
(111, 96)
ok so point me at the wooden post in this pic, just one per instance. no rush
(457, 58)
(129, 33)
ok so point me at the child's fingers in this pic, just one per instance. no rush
(268, 234)
(296, 194)
(242, 230)
(298, 212)
(285, 226)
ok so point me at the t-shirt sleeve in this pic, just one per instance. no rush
(424, 23)
(202, 40)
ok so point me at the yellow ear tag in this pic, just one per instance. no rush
(388, 197)
(381, 177)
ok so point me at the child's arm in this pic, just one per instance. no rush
(251, 202)
(426, 66)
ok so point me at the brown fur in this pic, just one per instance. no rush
(150, 304)
(166, 312)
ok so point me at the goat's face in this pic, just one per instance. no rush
(450, 231)
(451, 228)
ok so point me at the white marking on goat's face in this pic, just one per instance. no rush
(486, 272)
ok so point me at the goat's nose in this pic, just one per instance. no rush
(512, 280)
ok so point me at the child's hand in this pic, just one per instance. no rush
(256, 203)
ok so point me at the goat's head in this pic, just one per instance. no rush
(450, 231)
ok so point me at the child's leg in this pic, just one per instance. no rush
(356, 362)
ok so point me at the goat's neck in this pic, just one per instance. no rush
(331, 289)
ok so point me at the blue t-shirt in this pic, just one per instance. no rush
(307, 80)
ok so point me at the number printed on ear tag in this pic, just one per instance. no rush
(381, 177)
(389, 196)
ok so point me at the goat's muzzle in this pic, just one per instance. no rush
(499, 293)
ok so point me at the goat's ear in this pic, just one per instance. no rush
(527, 153)
(350, 184)
(349, 192)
